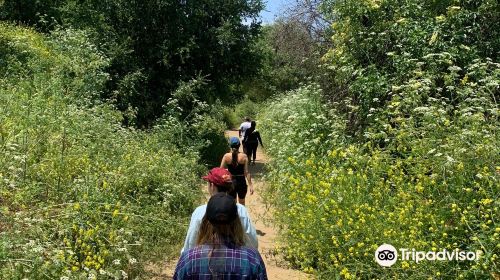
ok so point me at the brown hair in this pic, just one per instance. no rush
(225, 188)
(224, 234)
(234, 156)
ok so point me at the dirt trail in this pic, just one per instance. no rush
(262, 219)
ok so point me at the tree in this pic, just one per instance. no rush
(291, 56)
(155, 45)
(30, 12)
(310, 14)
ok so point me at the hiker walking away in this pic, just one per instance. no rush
(242, 131)
(251, 141)
(219, 181)
(237, 164)
(244, 126)
(220, 252)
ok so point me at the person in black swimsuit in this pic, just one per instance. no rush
(237, 164)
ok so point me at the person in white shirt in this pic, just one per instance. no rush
(244, 126)
(219, 180)
(242, 131)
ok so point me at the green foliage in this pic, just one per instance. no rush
(433, 186)
(35, 13)
(154, 46)
(379, 45)
(201, 125)
(235, 115)
(246, 108)
(80, 195)
(409, 154)
(229, 117)
(210, 129)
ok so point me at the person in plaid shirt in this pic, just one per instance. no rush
(220, 252)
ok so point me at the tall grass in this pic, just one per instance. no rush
(80, 195)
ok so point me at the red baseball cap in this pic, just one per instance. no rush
(218, 176)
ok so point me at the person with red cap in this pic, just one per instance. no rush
(219, 180)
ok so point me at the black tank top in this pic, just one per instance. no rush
(238, 173)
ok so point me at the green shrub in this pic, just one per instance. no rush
(433, 186)
(200, 126)
(413, 160)
(211, 130)
(230, 118)
(80, 195)
(247, 108)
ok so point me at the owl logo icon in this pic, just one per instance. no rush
(386, 255)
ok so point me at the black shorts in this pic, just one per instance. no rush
(240, 190)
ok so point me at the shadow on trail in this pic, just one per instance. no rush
(257, 170)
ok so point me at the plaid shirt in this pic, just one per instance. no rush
(224, 264)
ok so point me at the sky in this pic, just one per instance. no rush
(273, 8)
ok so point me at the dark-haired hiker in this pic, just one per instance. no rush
(237, 164)
(220, 252)
(251, 142)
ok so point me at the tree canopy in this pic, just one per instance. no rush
(155, 45)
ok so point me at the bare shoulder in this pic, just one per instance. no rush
(228, 157)
(243, 158)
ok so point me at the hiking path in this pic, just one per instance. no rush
(262, 217)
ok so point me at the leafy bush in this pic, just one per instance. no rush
(235, 115)
(410, 155)
(201, 125)
(380, 45)
(149, 57)
(433, 186)
(80, 195)
(246, 108)
(229, 117)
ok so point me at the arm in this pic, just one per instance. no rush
(180, 268)
(260, 139)
(251, 233)
(247, 175)
(192, 233)
(223, 163)
(248, 227)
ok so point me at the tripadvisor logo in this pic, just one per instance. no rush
(386, 255)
